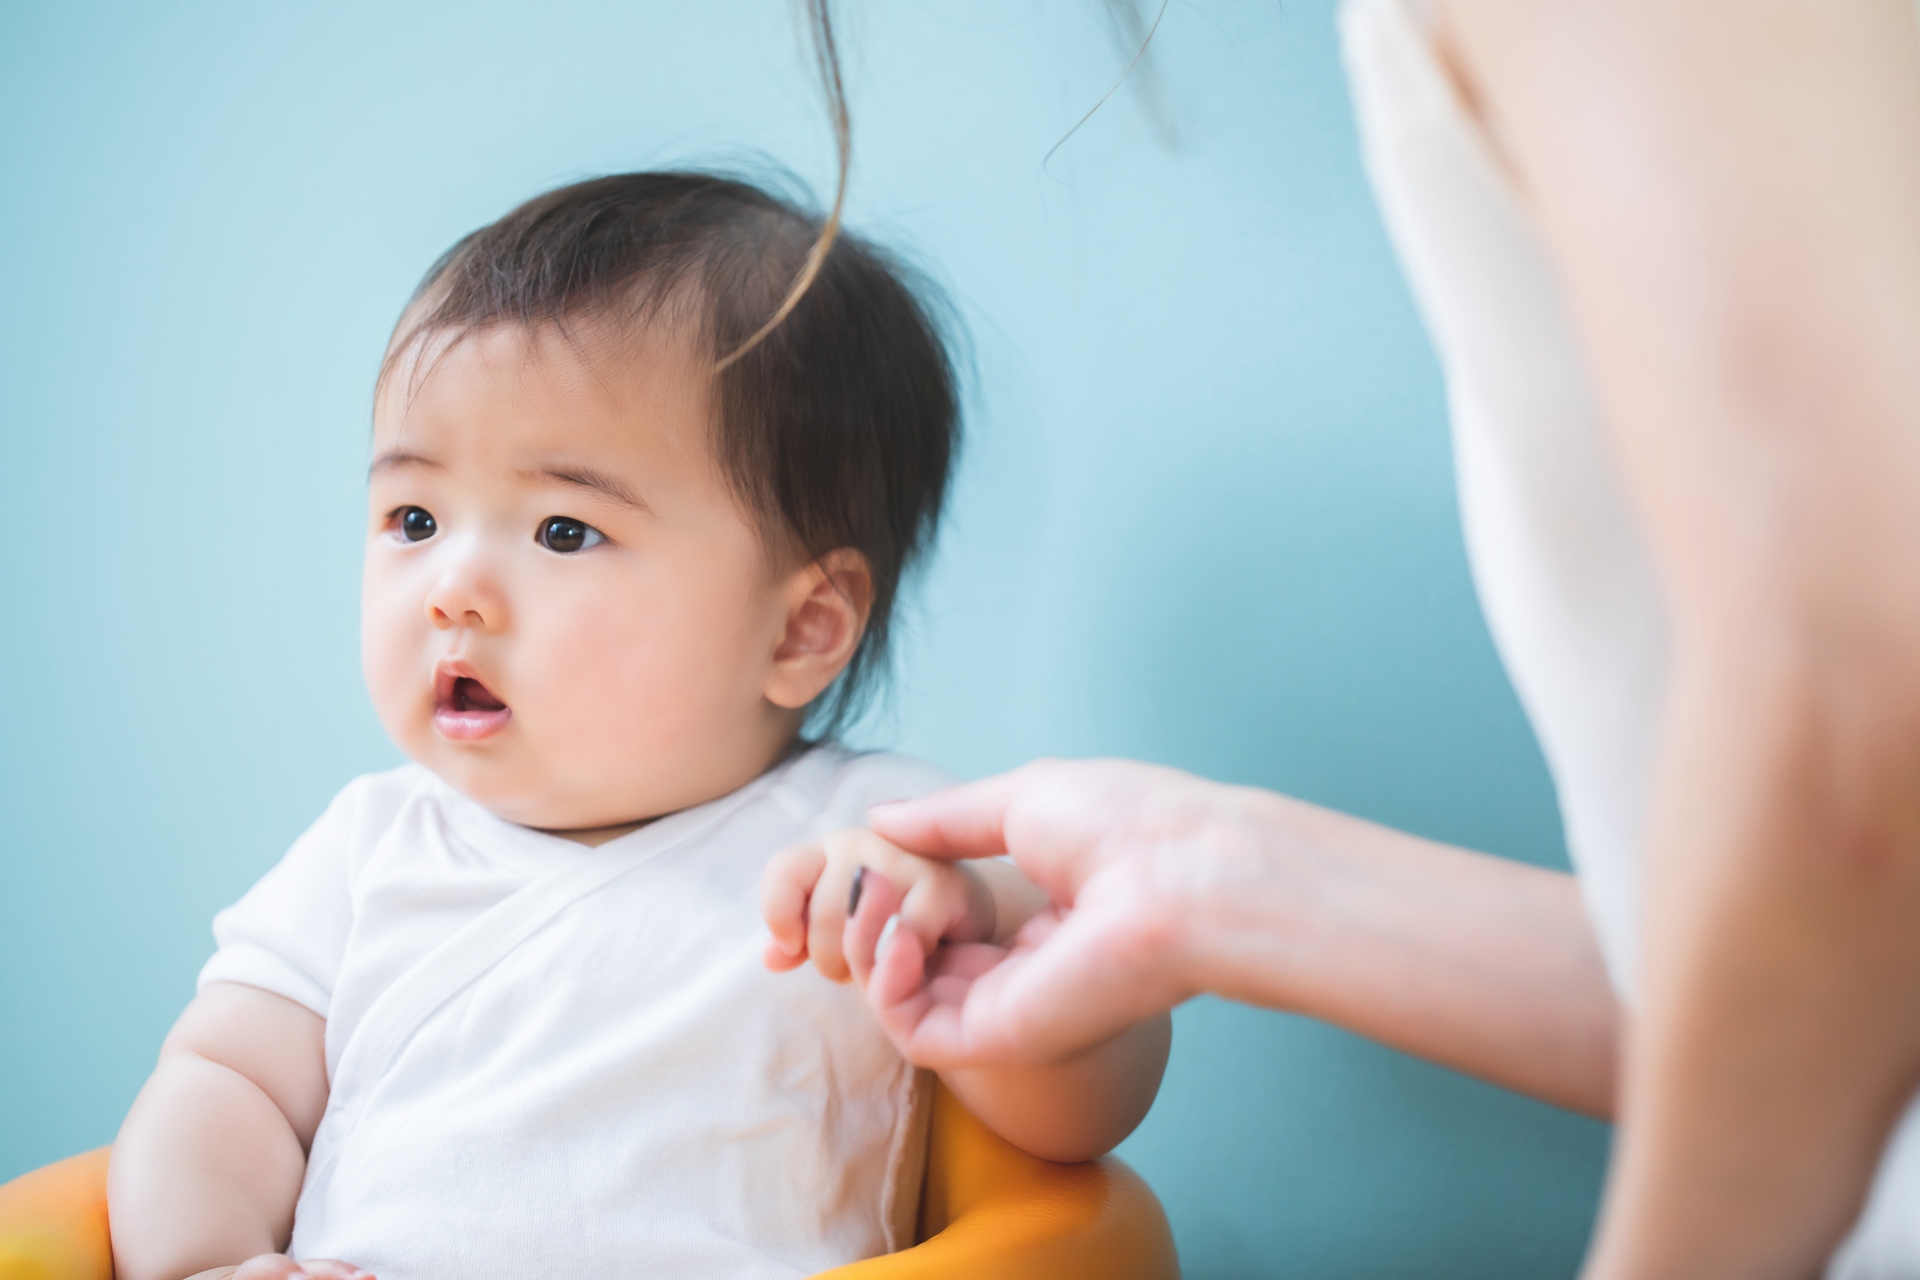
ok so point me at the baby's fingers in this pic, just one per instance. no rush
(776, 958)
(879, 903)
(278, 1266)
(333, 1269)
(839, 890)
(786, 886)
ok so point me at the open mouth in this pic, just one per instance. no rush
(465, 709)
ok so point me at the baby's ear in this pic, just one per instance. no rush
(828, 601)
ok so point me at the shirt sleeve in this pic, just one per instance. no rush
(289, 933)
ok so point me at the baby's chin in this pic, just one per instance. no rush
(517, 777)
(531, 797)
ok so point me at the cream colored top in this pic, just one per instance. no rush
(1559, 563)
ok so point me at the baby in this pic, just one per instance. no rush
(508, 1010)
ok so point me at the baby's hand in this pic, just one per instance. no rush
(278, 1266)
(808, 892)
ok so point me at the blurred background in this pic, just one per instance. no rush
(1206, 515)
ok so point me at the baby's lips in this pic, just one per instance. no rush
(448, 677)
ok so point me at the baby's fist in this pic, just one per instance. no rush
(808, 892)
(278, 1266)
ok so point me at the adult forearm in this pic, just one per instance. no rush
(1073, 1110)
(1484, 965)
(205, 1173)
(1778, 1034)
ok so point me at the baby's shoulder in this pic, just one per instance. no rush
(835, 785)
(372, 802)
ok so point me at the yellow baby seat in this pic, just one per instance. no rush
(989, 1210)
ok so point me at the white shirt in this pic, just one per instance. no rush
(1560, 565)
(546, 1059)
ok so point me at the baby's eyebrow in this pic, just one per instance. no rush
(395, 458)
(593, 478)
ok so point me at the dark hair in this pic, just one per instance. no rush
(836, 427)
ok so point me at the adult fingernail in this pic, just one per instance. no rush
(853, 895)
(886, 936)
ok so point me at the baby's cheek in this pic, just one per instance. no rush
(630, 690)
(398, 682)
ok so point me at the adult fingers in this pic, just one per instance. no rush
(922, 1011)
(896, 989)
(967, 821)
(1050, 815)
(1065, 987)
(786, 885)
(1079, 982)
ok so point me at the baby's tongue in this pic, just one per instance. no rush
(471, 695)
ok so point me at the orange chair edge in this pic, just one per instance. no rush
(1018, 1218)
(53, 1222)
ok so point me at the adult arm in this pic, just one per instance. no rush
(1167, 885)
(1732, 194)
(208, 1164)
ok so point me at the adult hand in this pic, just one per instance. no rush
(1133, 858)
(1164, 885)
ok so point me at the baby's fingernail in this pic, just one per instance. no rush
(886, 935)
(853, 895)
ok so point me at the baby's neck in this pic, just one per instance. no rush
(594, 837)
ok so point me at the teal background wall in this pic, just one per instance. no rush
(1206, 515)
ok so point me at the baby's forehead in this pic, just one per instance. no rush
(584, 361)
(607, 348)
(592, 386)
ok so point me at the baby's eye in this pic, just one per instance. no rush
(416, 523)
(562, 534)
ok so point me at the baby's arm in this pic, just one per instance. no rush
(208, 1165)
(1071, 1110)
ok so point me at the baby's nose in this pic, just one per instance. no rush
(467, 597)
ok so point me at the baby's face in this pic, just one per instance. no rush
(565, 612)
